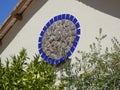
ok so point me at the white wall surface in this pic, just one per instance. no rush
(25, 33)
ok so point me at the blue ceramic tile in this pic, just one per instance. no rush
(71, 18)
(77, 38)
(74, 43)
(39, 45)
(51, 62)
(63, 16)
(78, 31)
(69, 54)
(56, 62)
(45, 28)
(77, 25)
(49, 59)
(75, 21)
(55, 18)
(41, 51)
(72, 49)
(42, 33)
(59, 17)
(46, 58)
(61, 59)
(48, 24)
(40, 39)
(43, 55)
(67, 16)
(52, 21)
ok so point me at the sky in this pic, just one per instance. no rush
(6, 6)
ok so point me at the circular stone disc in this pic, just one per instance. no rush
(59, 38)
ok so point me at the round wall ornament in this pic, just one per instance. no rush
(59, 38)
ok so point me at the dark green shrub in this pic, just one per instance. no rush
(17, 74)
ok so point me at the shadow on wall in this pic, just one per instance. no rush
(110, 7)
(12, 33)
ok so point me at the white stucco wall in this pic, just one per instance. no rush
(25, 33)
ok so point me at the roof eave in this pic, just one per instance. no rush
(15, 15)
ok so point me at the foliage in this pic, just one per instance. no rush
(97, 70)
(20, 75)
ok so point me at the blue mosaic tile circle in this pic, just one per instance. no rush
(45, 28)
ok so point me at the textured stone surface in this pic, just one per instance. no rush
(58, 39)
